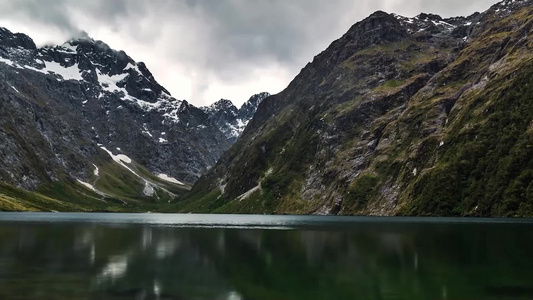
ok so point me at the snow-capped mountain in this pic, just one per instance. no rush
(70, 110)
(230, 120)
(103, 71)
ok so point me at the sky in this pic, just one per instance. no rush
(205, 50)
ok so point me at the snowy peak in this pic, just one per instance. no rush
(101, 64)
(83, 59)
(106, 73)
(230, 120)
(84, 96)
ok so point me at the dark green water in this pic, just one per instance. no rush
(151, 256)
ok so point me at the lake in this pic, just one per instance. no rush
(236, 257)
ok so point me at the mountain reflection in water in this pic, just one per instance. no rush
(369, 260)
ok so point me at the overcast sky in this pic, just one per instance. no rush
(204, 50)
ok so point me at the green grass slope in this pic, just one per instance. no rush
(115, 189)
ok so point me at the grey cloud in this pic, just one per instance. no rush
(45, 11)
(218, 42)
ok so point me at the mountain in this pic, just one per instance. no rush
(86, 127)
(230, 120)
(400, 116)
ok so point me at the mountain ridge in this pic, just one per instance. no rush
(399, 116)
(370, 126)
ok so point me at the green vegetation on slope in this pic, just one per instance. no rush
(13, 199)
(486, 169)
(117, 190)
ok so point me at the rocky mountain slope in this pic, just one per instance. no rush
(400, 116)
(230, 120)
(86, 127)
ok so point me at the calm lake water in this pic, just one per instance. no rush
(227, 257)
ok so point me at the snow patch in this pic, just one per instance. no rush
(241, 123)
(169, 179)
(145, 131)
(7, 62)
(120, 159)
(448, 26)
(109, 83)
(249, 193)
(51, 67)
(134, 67)
(148, 189)
(14, 88)
(87, 185)
(67, 73)
(96, 171)
(222, 189)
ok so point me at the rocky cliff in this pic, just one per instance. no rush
(400, 116)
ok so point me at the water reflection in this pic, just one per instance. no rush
(114, 269)
(367, 261)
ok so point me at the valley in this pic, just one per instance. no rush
(422, 116)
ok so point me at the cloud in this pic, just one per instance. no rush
(203, 50)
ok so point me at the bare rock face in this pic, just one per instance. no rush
(400, 116)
